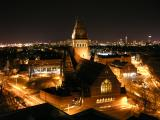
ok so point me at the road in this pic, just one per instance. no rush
(149, 87)
(143, 86)
(26, 94)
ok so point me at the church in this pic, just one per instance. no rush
(97, 80)
(95, 83)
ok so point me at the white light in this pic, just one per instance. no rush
(104, 54)
(132, 74)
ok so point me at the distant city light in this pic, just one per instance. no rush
(149, 36)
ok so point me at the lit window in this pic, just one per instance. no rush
(48, 69)
(97, 101)
(106, 87)
(43, 69)
(106, 99)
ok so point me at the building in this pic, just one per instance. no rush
(48, 112)
(93, 82)
(57, 65)
(97, 85)
(42, 67)
(123, 69)
(109, 57)
(80, 41)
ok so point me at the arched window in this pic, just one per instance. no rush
(77, 45)
(106, 86)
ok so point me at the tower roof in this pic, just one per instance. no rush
(79, 31)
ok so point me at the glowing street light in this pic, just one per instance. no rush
(15, 76)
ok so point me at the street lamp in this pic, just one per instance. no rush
(16, 76)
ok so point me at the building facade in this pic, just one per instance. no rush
(42, 67)
(80, 41)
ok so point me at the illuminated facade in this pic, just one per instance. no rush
(52, 67)
(80, 41)
(100, 83)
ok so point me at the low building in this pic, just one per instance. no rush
(40, 67)
(123, 69)
(107, 58)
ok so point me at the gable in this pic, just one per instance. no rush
(92, 73)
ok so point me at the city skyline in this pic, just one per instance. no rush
(50, 21)
(112, 80)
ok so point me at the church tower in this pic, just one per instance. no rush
(80, 41)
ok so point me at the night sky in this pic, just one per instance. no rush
(30, 21)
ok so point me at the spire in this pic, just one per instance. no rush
(79, 31)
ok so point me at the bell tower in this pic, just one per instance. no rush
(80, 41)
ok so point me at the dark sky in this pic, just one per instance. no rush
(54, 20)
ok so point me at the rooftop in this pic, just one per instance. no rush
(79, 31)
(45, 62)
(63, 92)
